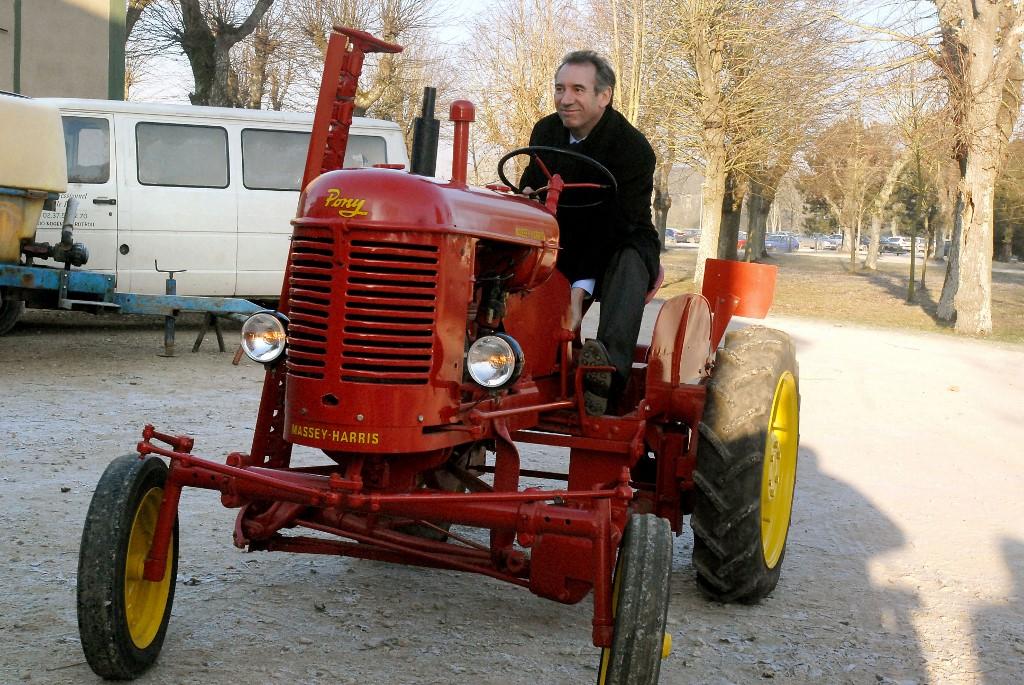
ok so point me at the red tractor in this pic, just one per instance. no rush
(422, 336)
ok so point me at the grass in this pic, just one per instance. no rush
(824, 286)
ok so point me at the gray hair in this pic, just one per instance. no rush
(604, 74)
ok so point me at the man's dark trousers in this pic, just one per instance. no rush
(623, 292)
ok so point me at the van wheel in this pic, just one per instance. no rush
(10, 311)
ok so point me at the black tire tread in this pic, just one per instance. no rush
(646, 559)
(10, 312)
(100, 594)
(726, 517)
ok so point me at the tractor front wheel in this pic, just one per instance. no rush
(746, 466)
(122, 618)
(640, 604)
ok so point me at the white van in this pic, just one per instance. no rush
(207, 189)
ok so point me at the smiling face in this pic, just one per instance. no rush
(578, 103)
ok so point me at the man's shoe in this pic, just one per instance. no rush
(597, 385)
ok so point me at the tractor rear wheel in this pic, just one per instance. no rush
(640, 604)
(122, 618)
(746, 466)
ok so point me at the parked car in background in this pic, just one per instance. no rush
(895, 244)
(688, 235)
(742, 242)
(781, 242)
(832, 242)
(671, 235)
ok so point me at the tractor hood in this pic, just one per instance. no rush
(379, 198)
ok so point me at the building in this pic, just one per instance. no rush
(63, 48)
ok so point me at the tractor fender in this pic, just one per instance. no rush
(681, 343)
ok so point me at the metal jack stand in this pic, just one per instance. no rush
(210, 319)
(170, 288)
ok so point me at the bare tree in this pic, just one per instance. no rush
(261, 69)
(132, 14)
(633, 33)
(205, 31)
(880, 204)
(735, 67)
(392, 81)
(514, 68)
(845, 168)
(511, 71)
(980, 59)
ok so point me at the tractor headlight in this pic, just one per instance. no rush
(494, 361)
(264, 335)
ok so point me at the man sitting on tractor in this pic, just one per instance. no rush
(610, 249)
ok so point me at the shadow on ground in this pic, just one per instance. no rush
(998, 632)
(827, 621)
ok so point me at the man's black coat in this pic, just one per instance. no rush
(590, 236)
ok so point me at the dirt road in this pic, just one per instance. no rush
(905, 561)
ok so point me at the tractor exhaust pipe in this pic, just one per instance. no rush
(424, 137)
(462, 113)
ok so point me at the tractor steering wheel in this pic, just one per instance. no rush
(611, 187)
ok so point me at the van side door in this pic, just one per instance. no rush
(180, 206)
(92, 180)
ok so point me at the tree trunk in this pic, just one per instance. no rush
(258, 77)
(662, 199)
(879, 204)
(757, 223)
(209, 53)
(874, 234)
(732, 207)
(224, 91)
(1006, 246)
(711, 213)
(708, 58)
(928, 230)
(132, 14)
(855, 240)
(981, 62)
(967, 291)
(912, 281)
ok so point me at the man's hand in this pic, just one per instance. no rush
(576, 298)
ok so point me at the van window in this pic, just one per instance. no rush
(182, 155)
(365, 151)
(87, 145)
(275, 160)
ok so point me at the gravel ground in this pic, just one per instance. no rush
(905, 561)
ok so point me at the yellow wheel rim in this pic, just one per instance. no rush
(144, 601)
(779, 474)
(606, 653)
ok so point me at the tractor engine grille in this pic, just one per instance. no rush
(390, 295)
(380, 327)
(310, 288)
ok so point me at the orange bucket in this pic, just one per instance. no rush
(753, 284)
